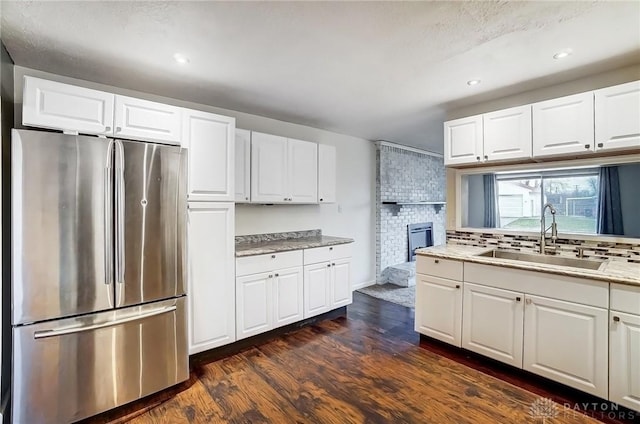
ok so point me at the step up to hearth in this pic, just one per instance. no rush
(403, 275)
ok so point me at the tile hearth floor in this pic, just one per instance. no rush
(405, 296)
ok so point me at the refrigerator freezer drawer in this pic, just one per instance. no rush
(73, 368)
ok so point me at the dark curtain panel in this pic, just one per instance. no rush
(490, 201)
(610, 208)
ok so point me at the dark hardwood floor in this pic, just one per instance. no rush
(370, 367)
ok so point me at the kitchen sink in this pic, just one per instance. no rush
(543, 259)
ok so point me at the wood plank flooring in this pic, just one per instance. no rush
(370, 367)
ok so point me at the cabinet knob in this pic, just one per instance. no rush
(600, 144)
(290, 198)
(331, 248)
(118, 129)
(321, 199)
(273, 256)
(277, 275)
(457, 286)
(616, 319)
(270, 276)
(477, 157)
(328, 265)
(518, 299)
(333, 264)
(528, 301)
(285, 199)
(107, 129)
(586, 146)
(246, 198)
(436, 261)
(486, 157)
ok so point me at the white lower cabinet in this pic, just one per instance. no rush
(492, 323)
(317, 289)
(268, 300)
(439, 308)
(566, 342)
(624, 359)
(210, 275)
(327, 279)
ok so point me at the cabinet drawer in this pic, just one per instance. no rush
(326, 253)
(443, 268)
(625, 298)
(269, 262)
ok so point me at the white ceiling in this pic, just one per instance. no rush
(377, 70)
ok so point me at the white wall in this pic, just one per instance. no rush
(354, 214)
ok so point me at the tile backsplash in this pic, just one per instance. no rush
(629, 252)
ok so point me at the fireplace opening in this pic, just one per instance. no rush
(419, 235)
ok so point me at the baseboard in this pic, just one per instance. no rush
(363, 285)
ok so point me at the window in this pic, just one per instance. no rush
(573, 193)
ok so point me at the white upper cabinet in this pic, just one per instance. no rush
(269, 175)
(49, 104)
(209, 140)
(563, 126)
(242, 168)
(617, 117)
(149, 121)
(327, 168)
(463, 141)
(283, 170)
(303, 171)
(507, 134)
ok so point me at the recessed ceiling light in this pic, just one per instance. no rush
(473, 82)
(180, 58)
(562, 54)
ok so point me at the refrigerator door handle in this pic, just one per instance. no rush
(79, 329)
(120, 198)
(108, 216)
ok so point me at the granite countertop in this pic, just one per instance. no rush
(257, 245)
(613, 270)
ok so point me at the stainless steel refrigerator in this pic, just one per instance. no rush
(98, 306)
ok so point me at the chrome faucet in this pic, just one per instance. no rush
(543, 228)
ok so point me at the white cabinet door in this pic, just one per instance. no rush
(317, 289)
(439, 309)
(210, 275)
(254, 305)
(139, 119)
(562, 126)
(567, 342)
(617, 124)
(492, 323)
(287, 296)
(269, 172)
(507, 134)
(624, 359)
(327, 168)
(303, 171)
(210, 144)
(463, 141)
(49, 104)
(341, 293)
(242, 168)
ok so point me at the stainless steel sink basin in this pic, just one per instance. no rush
(544, 259)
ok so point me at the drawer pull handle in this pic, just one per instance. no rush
(328, 265)
(331, 248)
(518, 299)
(273, 256)
(586, 146)
(333, 264)
(600, 144)
(436, 261)
(616, 319)
(457, 286)
(277, 275)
